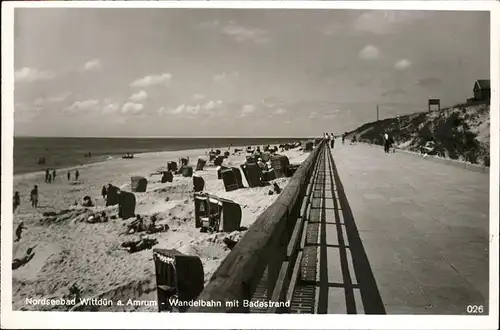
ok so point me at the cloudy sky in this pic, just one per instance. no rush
(214, 72)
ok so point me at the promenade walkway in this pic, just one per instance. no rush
(393, 234)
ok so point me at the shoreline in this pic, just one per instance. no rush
(142, 154)
(110, 157)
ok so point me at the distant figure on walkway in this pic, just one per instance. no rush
(50, 178)
(54, 174)
(19, 231)
(332, 141)
(90, 155)
(69, 175)
(47, 175)
(386, 143)
(16, 201)
(77, 175)
(343, 138)
(34, 197)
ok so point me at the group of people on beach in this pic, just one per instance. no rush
(50, 175)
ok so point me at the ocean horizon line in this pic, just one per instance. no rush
(164, 137)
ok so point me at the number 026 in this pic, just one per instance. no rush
(475, 309)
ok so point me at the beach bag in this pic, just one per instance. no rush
(112, 195)
(218, 160)
(167, 177)
(229, 179)
(187, 171)
(179, 275)
(290, 170)
(201, 164)
(139, 184)
(126, 205)
(278, 162)
(269, 175)
(172, 166)
(198, 183)
(252, 174)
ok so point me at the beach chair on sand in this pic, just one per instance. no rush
(178, 276)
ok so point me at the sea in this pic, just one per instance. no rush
(68, 152)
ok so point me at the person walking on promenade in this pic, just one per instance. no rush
(332, 141)
(54, 174)
(77, 175)
(17, 201)
(34, 197)
(386, 142)
(47, 175)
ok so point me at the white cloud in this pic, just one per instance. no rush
(151, 80)
(198, 96)
(31, 75)
(226, 75)
(247, 110)
(93, 65)
(87, 105)
(212, 105)
(369, 52)
(402, 64)
(195, 109)
(241, 33)
(280, 111)
(52, 99)
(110, 108)
(139, 96)
(133, 108)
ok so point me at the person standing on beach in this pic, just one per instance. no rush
(19, 231)
(69, 175)
(34, 197)
(50, 178)
(343, 138)
(47, 175)
(54, 174)
(332, 141)
(17, 201)
(77, 175)
(104, 192)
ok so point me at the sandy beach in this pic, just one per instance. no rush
(71, 252)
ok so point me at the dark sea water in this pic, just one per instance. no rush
(67, 152)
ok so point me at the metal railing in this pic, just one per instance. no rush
(265, 264)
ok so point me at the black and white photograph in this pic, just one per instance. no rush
(278, 160)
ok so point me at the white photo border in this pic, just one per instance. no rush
(117, 320)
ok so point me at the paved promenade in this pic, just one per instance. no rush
(402, 235)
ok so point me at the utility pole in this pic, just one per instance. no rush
(377, 112)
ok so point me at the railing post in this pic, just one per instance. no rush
(278, 254)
